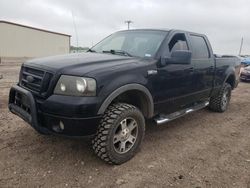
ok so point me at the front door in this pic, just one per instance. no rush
(173, 85)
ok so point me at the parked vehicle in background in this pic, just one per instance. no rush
(127, 78)
(246, 61)
(245, 56)
(245, 74)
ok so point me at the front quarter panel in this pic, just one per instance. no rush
(110, 80)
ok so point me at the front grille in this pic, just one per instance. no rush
(35, 80)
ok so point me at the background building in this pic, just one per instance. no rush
(20, 41)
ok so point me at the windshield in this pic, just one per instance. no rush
(131, 43)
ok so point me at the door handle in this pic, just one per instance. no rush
(191, 69)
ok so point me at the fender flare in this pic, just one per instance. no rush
(234, 77)
(125, 88)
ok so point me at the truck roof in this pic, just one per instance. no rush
(163, 29)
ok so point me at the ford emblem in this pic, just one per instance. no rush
(30, 79)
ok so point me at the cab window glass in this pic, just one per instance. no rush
(178, 42)
(199, 46)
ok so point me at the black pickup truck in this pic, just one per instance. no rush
(127, 78)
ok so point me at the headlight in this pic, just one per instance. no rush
(75, 86)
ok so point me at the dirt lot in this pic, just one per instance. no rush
(203, 149)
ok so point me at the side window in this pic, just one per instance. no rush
(178, 42)
(200, 49)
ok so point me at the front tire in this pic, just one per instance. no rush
(220, 102)
(120, 133)
(42, 131)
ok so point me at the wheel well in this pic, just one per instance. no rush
(231, 80)
(136, 98)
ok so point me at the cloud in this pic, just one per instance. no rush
(225, 22)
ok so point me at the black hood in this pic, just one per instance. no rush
(80, 63)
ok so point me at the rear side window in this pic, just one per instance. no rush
(200, 49)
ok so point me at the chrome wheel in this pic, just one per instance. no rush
(120, 133)
(125, 135)
(225, 98)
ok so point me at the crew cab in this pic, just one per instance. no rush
(127, 78)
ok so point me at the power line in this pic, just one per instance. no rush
(128, 22)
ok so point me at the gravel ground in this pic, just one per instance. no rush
(202, 149)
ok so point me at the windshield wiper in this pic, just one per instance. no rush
(90, 50)
(118, 52)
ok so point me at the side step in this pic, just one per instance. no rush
(162, 118)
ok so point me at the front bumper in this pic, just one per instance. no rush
(53, 115)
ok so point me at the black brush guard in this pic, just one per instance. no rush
(22, 103)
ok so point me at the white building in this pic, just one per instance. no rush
(20, 41)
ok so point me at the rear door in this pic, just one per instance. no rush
(204, 66)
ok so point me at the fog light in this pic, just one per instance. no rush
(61, 125)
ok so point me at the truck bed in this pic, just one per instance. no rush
(223, 66)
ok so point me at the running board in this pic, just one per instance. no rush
(162, 118)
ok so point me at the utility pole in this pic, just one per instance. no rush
(128, 22)
(241, 44)
(76, 33)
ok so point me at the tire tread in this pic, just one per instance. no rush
(105, 126)
(215, 102)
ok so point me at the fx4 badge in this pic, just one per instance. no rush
(152, 72)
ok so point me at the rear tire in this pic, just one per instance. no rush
(120, 133)
(220, 102)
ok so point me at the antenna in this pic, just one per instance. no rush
(241, 44)
(75, 31)
(128, 22)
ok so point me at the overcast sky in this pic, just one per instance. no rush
(225, 22)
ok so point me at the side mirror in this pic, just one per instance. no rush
(178, 57)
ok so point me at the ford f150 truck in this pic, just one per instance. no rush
(127, 78)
